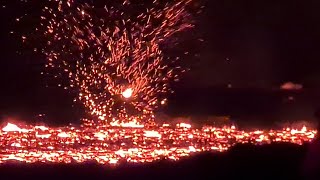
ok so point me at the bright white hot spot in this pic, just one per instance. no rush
(127, 93)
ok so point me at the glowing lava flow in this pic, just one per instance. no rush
(109, 145)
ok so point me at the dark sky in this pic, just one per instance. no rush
(253, 45)
(266, 43)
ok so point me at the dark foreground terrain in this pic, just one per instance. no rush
(241, 162)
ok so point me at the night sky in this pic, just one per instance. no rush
(252, 46)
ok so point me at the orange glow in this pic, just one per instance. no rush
(110, 144)
(164, 101)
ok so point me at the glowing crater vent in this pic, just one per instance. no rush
(127, 93)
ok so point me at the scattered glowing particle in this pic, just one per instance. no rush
(163, 102)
